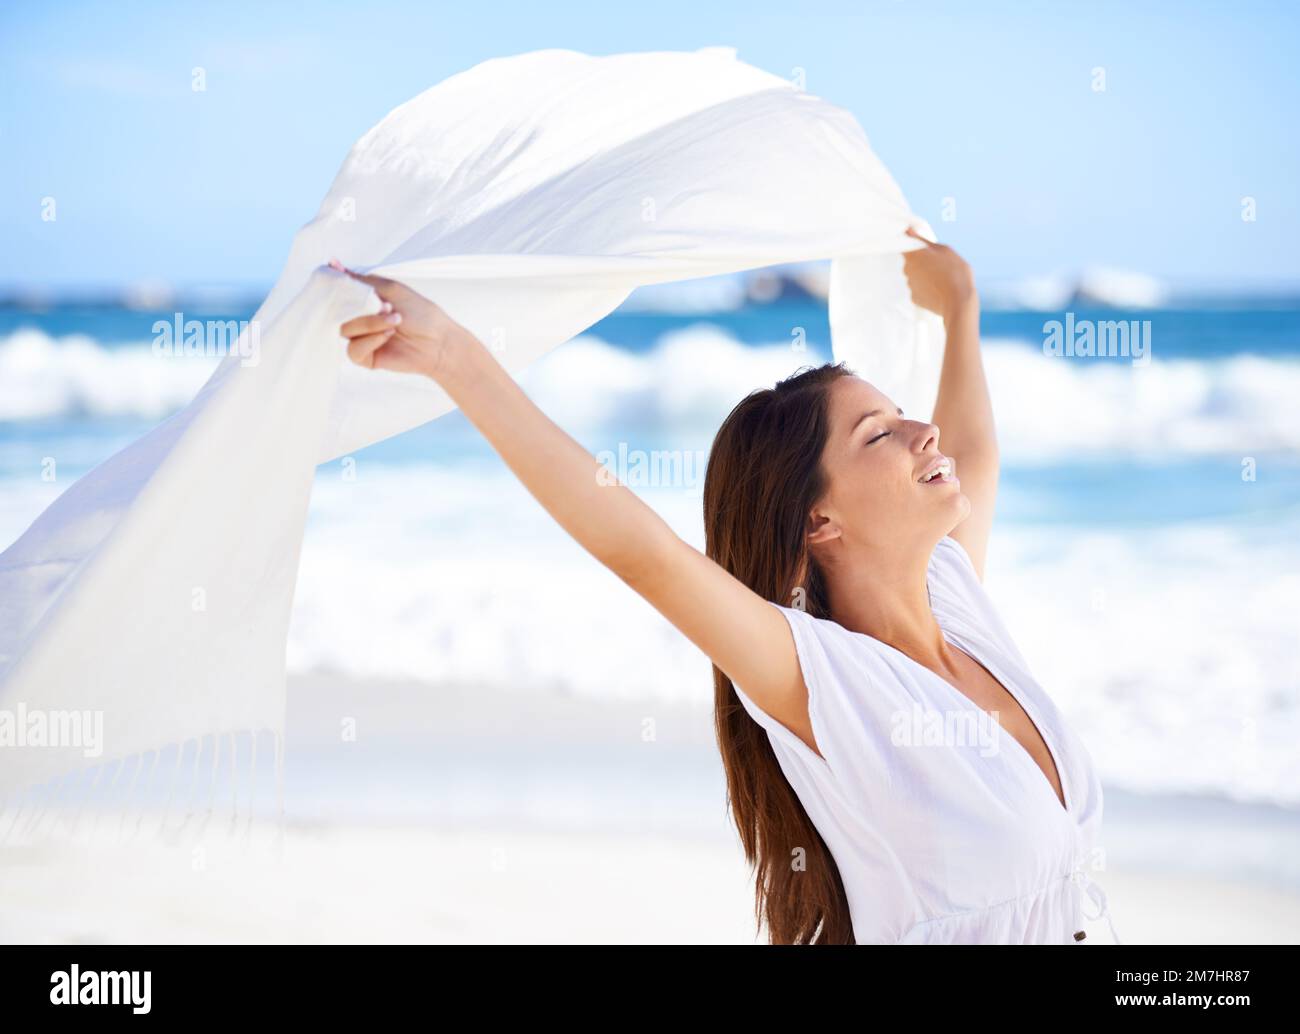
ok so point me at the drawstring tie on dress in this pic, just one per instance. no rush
(1080, 878)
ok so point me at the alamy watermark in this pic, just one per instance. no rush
(179, 336)
(651, 468)
(1098, 338)
(36, 727)
(926, 727)
(75, 986)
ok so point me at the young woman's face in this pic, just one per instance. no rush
(874, 459)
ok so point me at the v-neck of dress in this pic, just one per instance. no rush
(1000, 676)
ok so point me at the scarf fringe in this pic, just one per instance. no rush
(137, 798)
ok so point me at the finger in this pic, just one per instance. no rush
(374, 281)
(376, 323)
(381, 284)
(929, 244)
(377, 282)
(361, 350)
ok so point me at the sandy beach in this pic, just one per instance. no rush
(470, 816)
(496, 886)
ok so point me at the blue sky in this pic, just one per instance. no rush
(991, 104)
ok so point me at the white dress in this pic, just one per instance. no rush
(941, 837)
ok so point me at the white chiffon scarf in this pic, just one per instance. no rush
(528, 196)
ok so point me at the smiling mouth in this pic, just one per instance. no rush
(940, 474)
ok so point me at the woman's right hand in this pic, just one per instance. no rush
(410, 334)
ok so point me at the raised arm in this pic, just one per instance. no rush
(942, 282)
(742, 634)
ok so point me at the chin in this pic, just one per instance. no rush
(959, 510)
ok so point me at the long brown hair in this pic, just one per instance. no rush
(764, 474)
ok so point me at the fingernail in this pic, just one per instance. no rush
(386, 307)
(394, 318)
(337, 265)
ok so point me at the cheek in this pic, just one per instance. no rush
(872, 491)
(893, 494)
(884, 474)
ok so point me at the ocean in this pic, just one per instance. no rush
(1144, 553)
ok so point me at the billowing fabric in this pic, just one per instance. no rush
(943, 827)
(528, 196)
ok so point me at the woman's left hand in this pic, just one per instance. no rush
(939, 278)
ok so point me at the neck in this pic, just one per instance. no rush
(884, 594)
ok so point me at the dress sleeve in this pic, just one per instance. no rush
(952, 567)
(846, 706)
(957, 592)
(812, 664)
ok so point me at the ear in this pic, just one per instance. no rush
(821, 528)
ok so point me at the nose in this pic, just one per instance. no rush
(927, 435)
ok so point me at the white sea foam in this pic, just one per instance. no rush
(43, 377)
(1046, 406)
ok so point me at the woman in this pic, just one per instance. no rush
(842, 590)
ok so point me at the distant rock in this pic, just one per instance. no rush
(1118, 289)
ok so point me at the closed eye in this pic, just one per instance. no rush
(866, 416)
